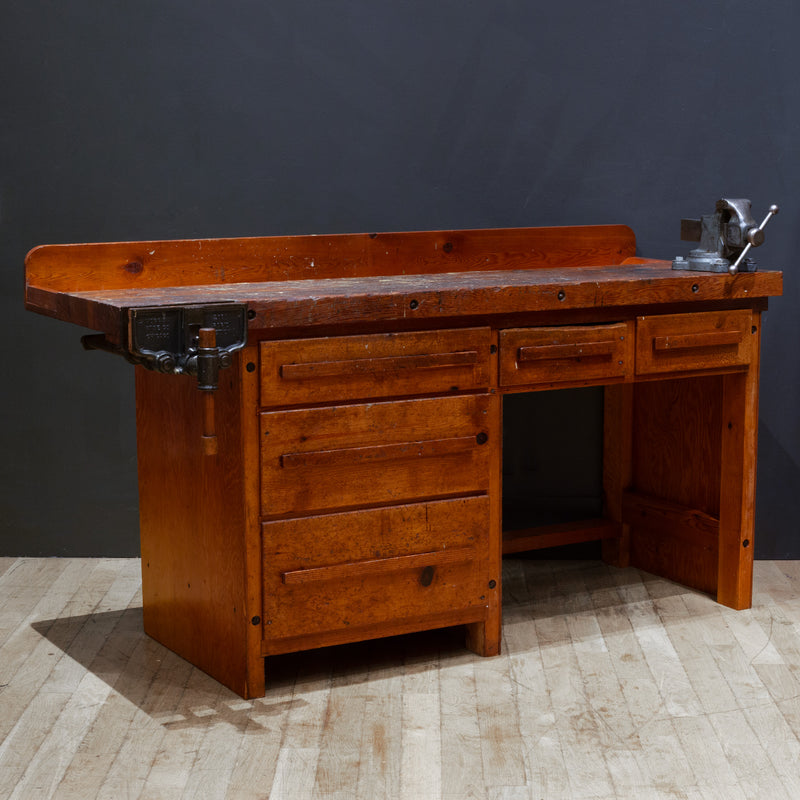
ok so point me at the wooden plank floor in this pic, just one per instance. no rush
(612, 684)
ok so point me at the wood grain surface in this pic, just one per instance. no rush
(192, 519)
(193, 262)
(325, 458)
(299, 371)
(416, 297)
(612, 683)
(385, 565)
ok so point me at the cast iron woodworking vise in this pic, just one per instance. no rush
(194, 340)
(725, 237)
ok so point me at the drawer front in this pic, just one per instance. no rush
(565, 354)
(342, 571)
(339, 368)
(337, 456)
(706, 340)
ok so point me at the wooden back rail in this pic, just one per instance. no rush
(198, 262)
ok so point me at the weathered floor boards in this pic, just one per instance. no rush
(612, 684)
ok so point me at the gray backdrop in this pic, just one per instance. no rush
(178, 119)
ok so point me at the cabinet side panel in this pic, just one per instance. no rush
(676, 460)
(193, 523)
(677, 441)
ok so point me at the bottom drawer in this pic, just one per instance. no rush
(342, 571)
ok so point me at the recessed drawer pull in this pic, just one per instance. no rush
(371, 366)
(571, 350)
(689, 340)
(379, 566)
(353, 456)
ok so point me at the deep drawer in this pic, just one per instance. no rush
(681, 342)
(339, 368)
(343, 571)
(565, 354)
(337, 456)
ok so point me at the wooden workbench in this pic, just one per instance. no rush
(354, 487)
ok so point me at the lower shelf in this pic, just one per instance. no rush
(588, 530)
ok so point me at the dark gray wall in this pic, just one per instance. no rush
(169, 118)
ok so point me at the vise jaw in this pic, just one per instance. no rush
(725, 238)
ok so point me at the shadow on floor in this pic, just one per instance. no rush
(113, 646)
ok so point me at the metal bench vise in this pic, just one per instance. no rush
(725, 237)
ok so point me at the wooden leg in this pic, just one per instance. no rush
(617, 448)
(738, 484)
(255, 670)
(738, 489)
(483, 638)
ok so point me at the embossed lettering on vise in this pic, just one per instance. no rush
(166, 339)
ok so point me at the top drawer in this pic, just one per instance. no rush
(705, 340)
(297, 371)
(566, 354)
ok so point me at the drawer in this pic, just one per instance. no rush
(570, 353)
(336, 456)
(385, 565)
(705, 340)
(298, 371)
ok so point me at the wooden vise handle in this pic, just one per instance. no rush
(207, 340)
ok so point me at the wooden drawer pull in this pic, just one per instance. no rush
(379, 566)
(355, 456)
(369, 366)
(689, 340)
(571, 350)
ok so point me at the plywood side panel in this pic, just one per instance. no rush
(192, 525)
(673, 541)
(677, 441)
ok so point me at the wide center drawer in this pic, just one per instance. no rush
(299, 371)
(566, 354)
(349, 455)
(359, 568)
